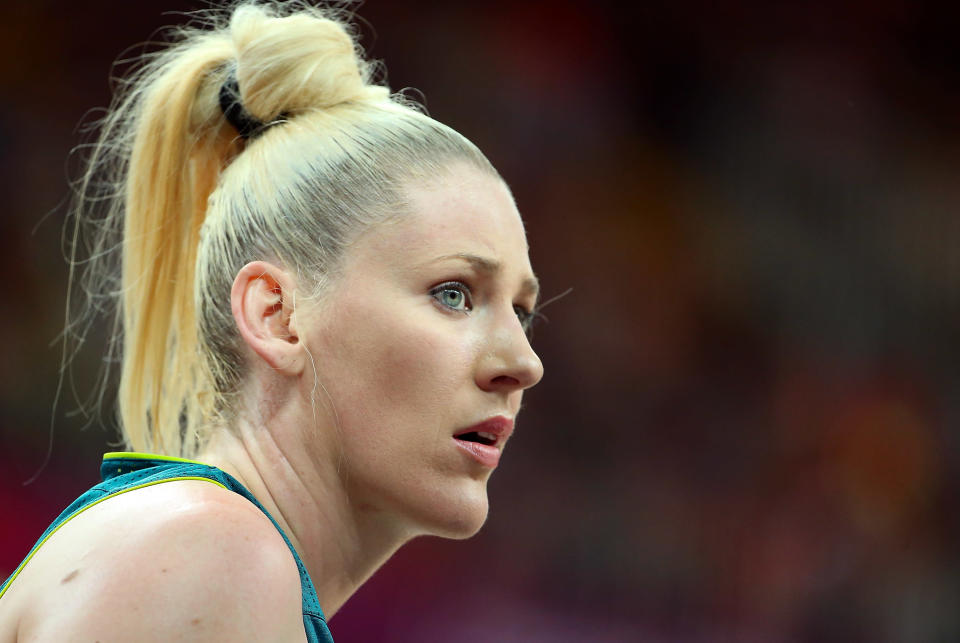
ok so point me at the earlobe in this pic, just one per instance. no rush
(262, 301)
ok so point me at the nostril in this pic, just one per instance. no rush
(505, 380)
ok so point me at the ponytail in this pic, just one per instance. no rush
(179, 147)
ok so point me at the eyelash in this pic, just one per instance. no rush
(526, 317)
(458, 286)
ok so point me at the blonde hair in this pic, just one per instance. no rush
(174, 202)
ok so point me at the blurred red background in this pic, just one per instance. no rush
(747, 430)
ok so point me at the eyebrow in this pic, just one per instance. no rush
(529, 286)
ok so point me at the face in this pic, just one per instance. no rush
(423, 339)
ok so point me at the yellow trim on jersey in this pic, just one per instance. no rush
(79, 511)
(136, 455)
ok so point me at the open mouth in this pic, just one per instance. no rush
(484, 441)
(480, 437)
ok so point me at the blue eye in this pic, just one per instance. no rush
(453, 295)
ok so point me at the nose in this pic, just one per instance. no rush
(509, 363)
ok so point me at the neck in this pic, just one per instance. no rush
(340, 544)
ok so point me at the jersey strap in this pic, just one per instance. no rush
(128, 471)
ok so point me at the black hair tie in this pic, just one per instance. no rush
(245, 123)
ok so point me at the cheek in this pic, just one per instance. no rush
(390, 369)
(418, 367)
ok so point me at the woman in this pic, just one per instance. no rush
(323, 298)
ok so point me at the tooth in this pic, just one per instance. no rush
(487, 436)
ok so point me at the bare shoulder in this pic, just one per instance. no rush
(184, 560)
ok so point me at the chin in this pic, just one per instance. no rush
(461, 528)
(458, 517)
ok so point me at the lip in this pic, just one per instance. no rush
(486, 454)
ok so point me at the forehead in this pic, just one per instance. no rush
(465, 211)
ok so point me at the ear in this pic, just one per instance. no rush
(262, 301)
